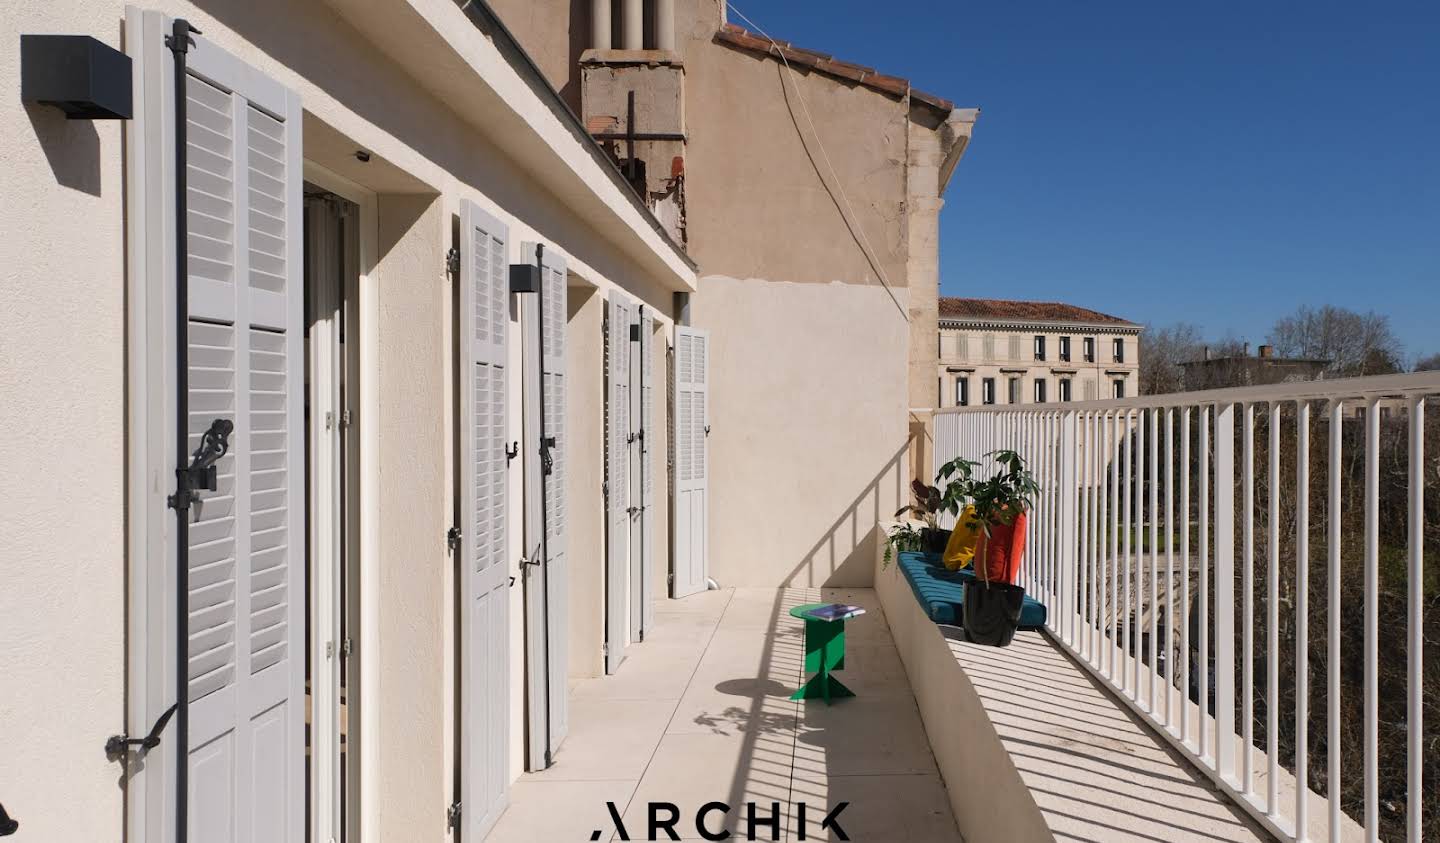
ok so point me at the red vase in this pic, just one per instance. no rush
(1003, 550)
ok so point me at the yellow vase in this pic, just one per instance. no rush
(960, 549)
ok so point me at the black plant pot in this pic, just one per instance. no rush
(935, 540)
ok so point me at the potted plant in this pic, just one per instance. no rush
(932, 501)
(998, 508)
(902, 536)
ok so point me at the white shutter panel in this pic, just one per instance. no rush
(639, 583)
(647, 471)
(555, 312)
(691, 483)
(617, 476)
(546, 584)
(485, 576)
(245, 668)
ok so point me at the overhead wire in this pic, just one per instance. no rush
(851, 222)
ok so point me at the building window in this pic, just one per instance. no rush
(1039, 390)
(1065, 389)
(1089, 349)
(1039, 348)
(962, 392)
(1119, 389)
(1065, 349)
(1014, 391)
(987, 390)
(1119, 350)
(988, 347)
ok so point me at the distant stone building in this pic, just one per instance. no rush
(1245, 370)
(1022, 352)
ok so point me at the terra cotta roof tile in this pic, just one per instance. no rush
(1024, 311)
(742, 38)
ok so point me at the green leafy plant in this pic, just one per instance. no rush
(1001, 498)
(901, 537)
(930, 503)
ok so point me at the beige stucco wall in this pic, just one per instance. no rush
(585, 418)
(62, 450)
(63, 400)
(808, 433)
(407, 662)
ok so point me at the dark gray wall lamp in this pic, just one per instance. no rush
(84, 78)
(524, 278)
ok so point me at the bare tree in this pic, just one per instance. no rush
(1354, 343)
(1162, 350)
(1428, 364)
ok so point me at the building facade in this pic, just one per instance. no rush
(338, 448)
(1017, 352)
(808, 191)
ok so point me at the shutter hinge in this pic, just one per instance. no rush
(605, 489)
(452, 538)
(329, 420)
(346, 648)
(452, 266)
(452, 815)
(329, 649)
(346, 418)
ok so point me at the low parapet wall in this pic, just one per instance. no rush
(987, 794)
(1032, 748)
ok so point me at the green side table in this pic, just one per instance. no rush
(824, 652)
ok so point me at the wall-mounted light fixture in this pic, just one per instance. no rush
(84, 78)
(524, 278)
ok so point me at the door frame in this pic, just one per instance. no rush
(324, 724)
(358, 499)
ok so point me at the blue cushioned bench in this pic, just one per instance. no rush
(941, 592)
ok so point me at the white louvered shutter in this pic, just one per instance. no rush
(555, 312)
(546, 584)
(617, 477)
(639, 583)
(245, 346)
(691, 482)
(485, 576)
(647, 472)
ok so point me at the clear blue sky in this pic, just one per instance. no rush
(1216, 163)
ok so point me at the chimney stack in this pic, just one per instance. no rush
(1247, 350)
(1267, 351)
(1207, 352)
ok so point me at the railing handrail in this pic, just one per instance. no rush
(1405, 385)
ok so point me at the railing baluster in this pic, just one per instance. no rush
(1302, 619)
(1125, 626)
(1247, 575)
(1272, 621)
(1415, 621)
(1185, 576)
(1170, 567)
(1225, 590)
(1332, 633)
(1137, 624)
(1104, 433)
(1154, 559)
(1372, 620)
(1092, 468)
(1086, 524)
(1203, 646)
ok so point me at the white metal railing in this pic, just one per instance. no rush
(1151, 508)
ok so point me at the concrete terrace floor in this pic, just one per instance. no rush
(700, 713)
